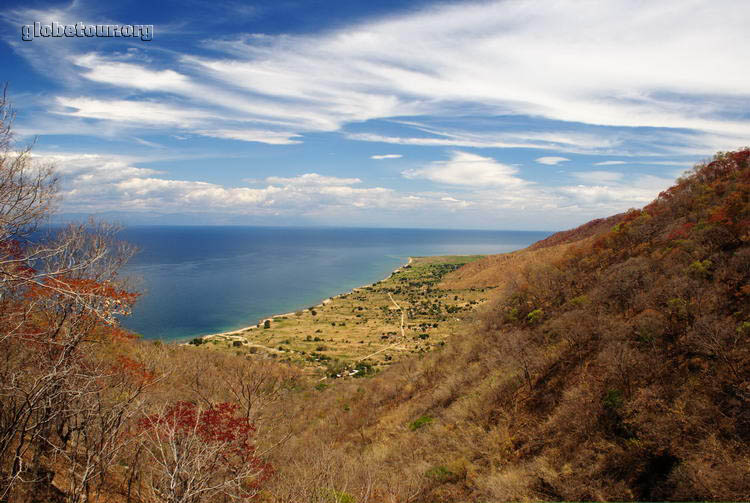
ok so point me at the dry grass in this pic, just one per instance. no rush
(500, 271)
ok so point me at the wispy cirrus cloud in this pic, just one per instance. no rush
(435, 61)
(609, 163)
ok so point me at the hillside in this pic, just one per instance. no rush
(617, 369)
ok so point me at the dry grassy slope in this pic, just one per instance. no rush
(501, 270)
(620, 371)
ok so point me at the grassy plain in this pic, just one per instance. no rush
(359, 331)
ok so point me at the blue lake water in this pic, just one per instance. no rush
(201, 280)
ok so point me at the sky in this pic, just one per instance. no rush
(524, 114)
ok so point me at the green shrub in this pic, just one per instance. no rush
(364, 369)
(421, 422)
(581, 300)
(535, 316)
(334, 496)
(613, 399)
(441, 474)
(511, 314)
(700, 269)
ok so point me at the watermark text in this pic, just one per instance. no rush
(38, 30)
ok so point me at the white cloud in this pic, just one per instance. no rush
(619, 63)
(256, 135)
(127, 74)
(551, 160)
(617, 194)
(609, 163)
(141, 113)
(313, 179)
(92, 167)
(468, 169)
(478, 191)
(99, 182)
(596, 70)
(386, 156)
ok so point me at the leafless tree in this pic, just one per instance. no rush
(60, 296)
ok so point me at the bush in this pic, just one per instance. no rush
(441, 474)
(613, 399)
(421, 422)
(535, 316)
(364, 369)
(334, 496)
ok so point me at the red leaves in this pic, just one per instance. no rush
(61, 285)
(741, 157)
(205, 448)
(217, 424)
(682, 232)
(134, 370)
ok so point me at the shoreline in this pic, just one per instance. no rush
(239, 331)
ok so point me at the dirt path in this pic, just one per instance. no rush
(403, 332)
(403, 314)
(395, 345)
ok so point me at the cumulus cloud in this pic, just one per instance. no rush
(551, 160)
(476, 190)
(468, 169)
(96, 183)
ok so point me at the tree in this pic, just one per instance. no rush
(60, 296)
(198, 454)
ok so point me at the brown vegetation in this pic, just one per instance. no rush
(615, 368)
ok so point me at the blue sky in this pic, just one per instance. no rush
(498, 115)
